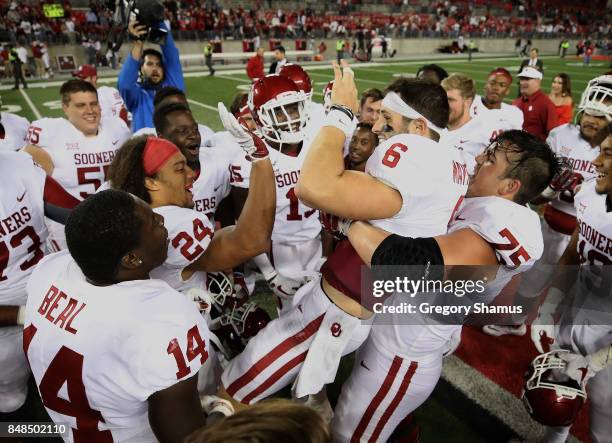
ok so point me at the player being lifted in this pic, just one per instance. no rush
(76, 150)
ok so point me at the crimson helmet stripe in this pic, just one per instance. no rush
(298, 75)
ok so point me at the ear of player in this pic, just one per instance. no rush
(253, 146)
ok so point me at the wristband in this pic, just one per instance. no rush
(211, 404)
(21, 315)
(339, 117)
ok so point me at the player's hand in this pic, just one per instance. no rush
(253, 146)
(337, 226)
(201, 298)
(137, 30)
(543, 332)
(344, 91)
(578, 367)
(241, 291)
(284, 287)
(565, 179)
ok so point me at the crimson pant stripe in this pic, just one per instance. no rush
(283, 370)
(273, 355)
(396, 400)
(378, 398)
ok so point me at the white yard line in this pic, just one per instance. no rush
(30, 104)
(203, 105)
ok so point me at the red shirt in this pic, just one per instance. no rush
(539, 113)
(255, 67)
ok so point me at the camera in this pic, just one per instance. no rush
(150, 13)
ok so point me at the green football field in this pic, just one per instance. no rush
(42, 98)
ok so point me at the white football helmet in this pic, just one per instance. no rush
(596, 99)
(270, 101)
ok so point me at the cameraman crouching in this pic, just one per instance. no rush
(156, 69)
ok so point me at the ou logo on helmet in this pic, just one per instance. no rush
(335, 329)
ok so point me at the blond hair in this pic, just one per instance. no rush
(463, 83)
(274, 420)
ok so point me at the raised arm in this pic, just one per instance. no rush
(127, 82)
(172, 62)
(324, 183)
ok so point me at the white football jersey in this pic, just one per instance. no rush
(190, 233)
(104, 350)
(471, 139)
(15, 130)
(22, 224)
(294, 222)
(206, 134)
(566, 141)
(213, 182)
(508, 117)
(111, 103)
(515, 233)
(80, 163)
(585, 325)
(431, 178)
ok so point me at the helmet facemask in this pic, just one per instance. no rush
(596, 99)
(277, 123)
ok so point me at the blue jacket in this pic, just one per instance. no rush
(137, 98)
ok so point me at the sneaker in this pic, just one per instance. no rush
(499, 330)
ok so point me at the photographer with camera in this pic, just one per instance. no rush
(145, 71)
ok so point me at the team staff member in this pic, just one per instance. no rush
(539, 112)
(157, 69)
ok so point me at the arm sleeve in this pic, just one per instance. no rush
(127, 83)
(172, 62)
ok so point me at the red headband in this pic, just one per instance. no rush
(501, 71)
(156, 153)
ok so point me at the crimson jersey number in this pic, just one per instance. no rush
(84, 177)
(185, 240)
(195, 347)
(511, 246)
(392, 156)
(35, 253)
(593, 256)
(66, 368)
(294, 206)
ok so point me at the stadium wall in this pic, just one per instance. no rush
(404, 46)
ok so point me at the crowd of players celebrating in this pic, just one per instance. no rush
(127, 257)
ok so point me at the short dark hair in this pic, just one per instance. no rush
(160, 114)
(368, 127)
(374, 93)
(100, 231)
(439, 70)
(427, 98)
(280, 48)
(126, 172)
(73, 86)
(167, 91)
(536, 50)
(536, 167)
(237, 103)
(151, 51)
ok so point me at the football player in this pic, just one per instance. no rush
(280, 109)
(76, 150)
(111, 103)
(127, 347)
(170, 94)
(581, 301)
(469, 135)
(13, 130)
(362, 145)
(175, 122)
(577, 145)
(411, 185)
(27, 194)
(400, 363)
(496, 89)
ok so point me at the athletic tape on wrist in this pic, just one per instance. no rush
(338, 119)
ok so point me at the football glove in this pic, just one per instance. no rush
(253, 146)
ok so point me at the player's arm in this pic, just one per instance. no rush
(379, 247)
(250, 236)
(175, 412)
(58, 203)
(40, 156)
(325, 184)
(566, 271)
(127, 82)
(11, 315)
